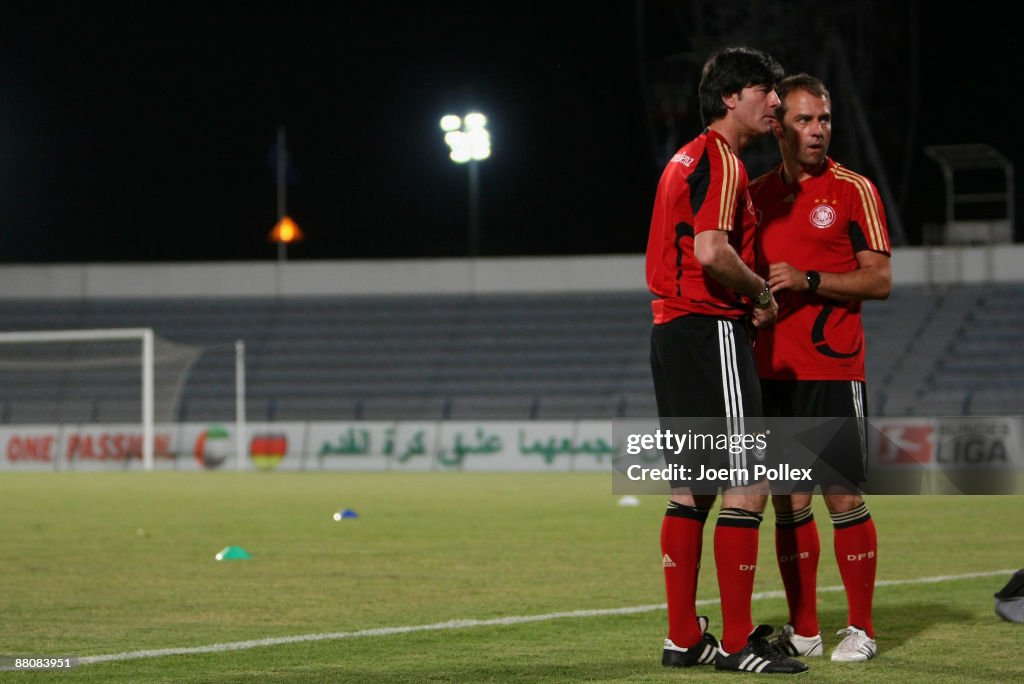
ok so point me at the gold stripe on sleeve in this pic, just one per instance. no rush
(730, 186)
(869, 202)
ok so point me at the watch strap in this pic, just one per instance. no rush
(813, 281)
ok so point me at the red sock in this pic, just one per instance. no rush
(856, 545)
(682, 536)
(736, 537)
(798, 549)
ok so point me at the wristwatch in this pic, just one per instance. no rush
(764, 298)
(813, 281)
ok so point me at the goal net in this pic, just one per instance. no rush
(125, 375)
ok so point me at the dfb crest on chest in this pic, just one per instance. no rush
(823, 214)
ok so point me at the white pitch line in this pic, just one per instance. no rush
(464, 624)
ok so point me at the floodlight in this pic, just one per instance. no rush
(470, 142)
(467, 137)
(475, 120)
(450, 122)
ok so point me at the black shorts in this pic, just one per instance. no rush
(703, 368)
(830, 419)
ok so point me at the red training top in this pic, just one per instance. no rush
(818, 224)
(703, 187)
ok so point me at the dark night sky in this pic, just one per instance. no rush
(140, 131)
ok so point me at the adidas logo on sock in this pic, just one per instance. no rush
(667, 562)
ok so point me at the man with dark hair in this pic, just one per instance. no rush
(824, 245)
(700, 254)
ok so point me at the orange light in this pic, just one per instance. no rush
(286, 231)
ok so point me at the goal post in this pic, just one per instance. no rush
(58, 369)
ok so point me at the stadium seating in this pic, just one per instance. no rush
(931, 351)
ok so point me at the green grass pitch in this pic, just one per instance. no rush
(100, 564)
